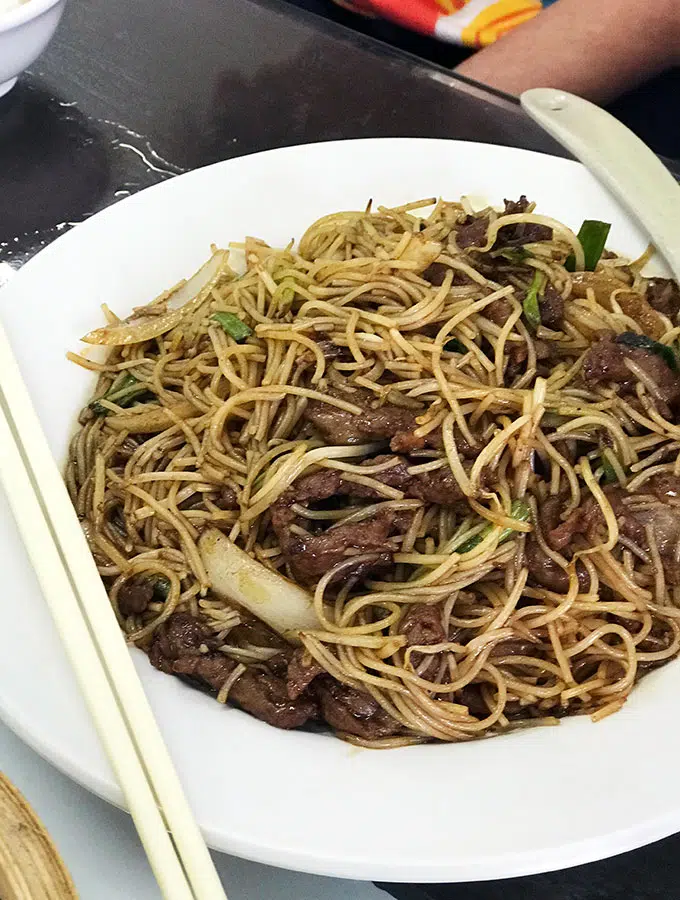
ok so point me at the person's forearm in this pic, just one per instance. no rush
(594, 48)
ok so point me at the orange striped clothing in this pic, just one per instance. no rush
(474, 23)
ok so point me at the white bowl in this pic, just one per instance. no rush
(24, 34)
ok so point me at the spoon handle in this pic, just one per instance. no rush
(617, 158)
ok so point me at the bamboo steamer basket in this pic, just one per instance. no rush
(30, 867)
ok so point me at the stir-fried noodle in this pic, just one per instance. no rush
(459, 441)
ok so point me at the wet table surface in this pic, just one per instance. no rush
(129, 94)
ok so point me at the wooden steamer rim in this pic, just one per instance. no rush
(30, 867)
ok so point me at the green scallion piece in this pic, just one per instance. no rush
(124, 390)
(608, 470)
(472, 542)
(593, 238)
(642, 342)
(520, 510)
(161, 588)
(455, 346)
(532, 311)
(232, 325)
(515, 255)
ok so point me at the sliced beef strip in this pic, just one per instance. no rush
(659, 638)
(605, 363)
(547, 356)
(388, 422)
(422, 625)
(437, 486)
(551, 307)
(338, 426)
(123, 453)
(354, 712)
(278, 665)
(330, 349)
(517, 354)
(227, 498)
(312, 556)
(662, 513)
(437, 272)
(407, 442)
(471, 696)
(135, 595)
(516, 207)
(179, 648)
(663, 516)
(522, 232)
(255, 633)
(663, 294)
(266, 697)
(546, 573)
(302, 670)
(515, 647)
(472, 232)
(181, 635)
(207, 672)
(498, 311)
(543, 570)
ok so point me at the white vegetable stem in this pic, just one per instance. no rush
(283, 605)
(145, 324)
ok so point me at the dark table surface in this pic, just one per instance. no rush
(130, 93)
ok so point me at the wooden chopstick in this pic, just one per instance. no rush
(96, 647)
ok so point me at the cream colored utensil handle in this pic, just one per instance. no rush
(617, 158)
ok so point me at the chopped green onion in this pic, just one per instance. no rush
(472, 542)
(122, 392)
(553, 420)
(455, 346)
(161, 588)
(520, 510)
(284, 295)
(608, 470)
(593, 238)
(515, 255)
(232, 325)
(532, 312)
(642, 342)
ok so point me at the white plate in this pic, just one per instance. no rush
(523, 803)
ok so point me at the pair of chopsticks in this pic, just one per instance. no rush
(96, 647)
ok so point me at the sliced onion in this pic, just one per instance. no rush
(235, 576)
(151, 421)
(422, 252)
(187, 297)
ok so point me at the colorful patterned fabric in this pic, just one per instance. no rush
(475, 23)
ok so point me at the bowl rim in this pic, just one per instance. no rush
(24, 13)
